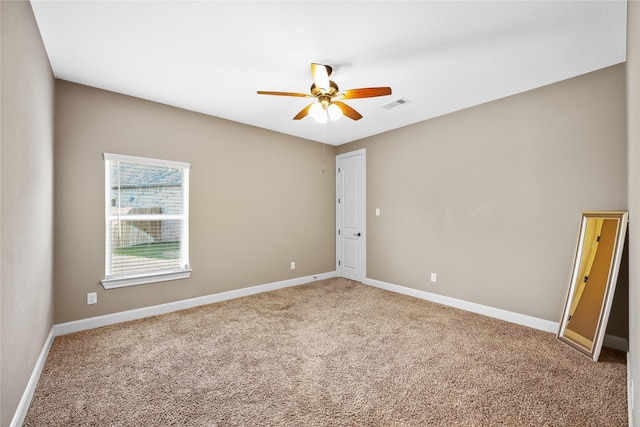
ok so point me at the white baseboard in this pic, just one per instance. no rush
(610, 341)
(125, 316)
(509, 316)
(25, 401)
(630, 391)
(110, 319)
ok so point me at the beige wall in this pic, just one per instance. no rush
(258, 199)
(26, 219)
(490, 198)
(633, 123)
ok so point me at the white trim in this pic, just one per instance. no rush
(185, 213)
(121, 282)
(509, 316)
(630, 391)
(25, 401)
(124, 316)
(107, 213)
(110, 319)
(138, 159)
(610, 341)
(364, 213)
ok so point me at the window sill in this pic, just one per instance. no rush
(121, 282)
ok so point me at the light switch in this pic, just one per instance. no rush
(377, 211)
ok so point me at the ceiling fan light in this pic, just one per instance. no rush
(322, 119)
(334, 112)
(318, 113)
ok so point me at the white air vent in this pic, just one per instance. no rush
(396, 103)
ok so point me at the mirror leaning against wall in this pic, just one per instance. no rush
(593, 281)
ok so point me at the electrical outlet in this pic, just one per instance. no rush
(293, 265)
(434, 277)
(92, 297)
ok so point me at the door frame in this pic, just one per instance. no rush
(363, 240)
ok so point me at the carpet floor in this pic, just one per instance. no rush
(330, 353)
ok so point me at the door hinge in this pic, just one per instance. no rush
(338, 232)
(338, 170)
(338, 200)
(339, 263)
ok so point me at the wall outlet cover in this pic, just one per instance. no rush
(92, 297)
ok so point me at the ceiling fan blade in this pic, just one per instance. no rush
(348, 111)
(321, 75)
(301, 95)
(304, 112)
(368, 92)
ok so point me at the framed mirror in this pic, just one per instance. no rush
(593, 281)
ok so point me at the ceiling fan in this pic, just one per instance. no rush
(328, 102)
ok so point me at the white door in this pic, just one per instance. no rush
(350, 218)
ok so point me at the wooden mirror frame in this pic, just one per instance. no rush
(570, 337)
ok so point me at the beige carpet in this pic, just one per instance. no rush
(331, 353)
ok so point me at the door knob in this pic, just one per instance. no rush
(357, 234)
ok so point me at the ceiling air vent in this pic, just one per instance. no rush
(396, 103)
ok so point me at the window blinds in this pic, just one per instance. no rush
(146, 215)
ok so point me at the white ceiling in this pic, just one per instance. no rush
(441, 56)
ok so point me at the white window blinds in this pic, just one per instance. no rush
(146, 213)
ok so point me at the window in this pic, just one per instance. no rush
(146, 220)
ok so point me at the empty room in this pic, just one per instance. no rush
(319, 213)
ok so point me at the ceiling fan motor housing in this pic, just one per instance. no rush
(316, 91)
(331, 96)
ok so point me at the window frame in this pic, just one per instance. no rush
(111, 281)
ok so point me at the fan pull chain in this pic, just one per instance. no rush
(324, 138)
